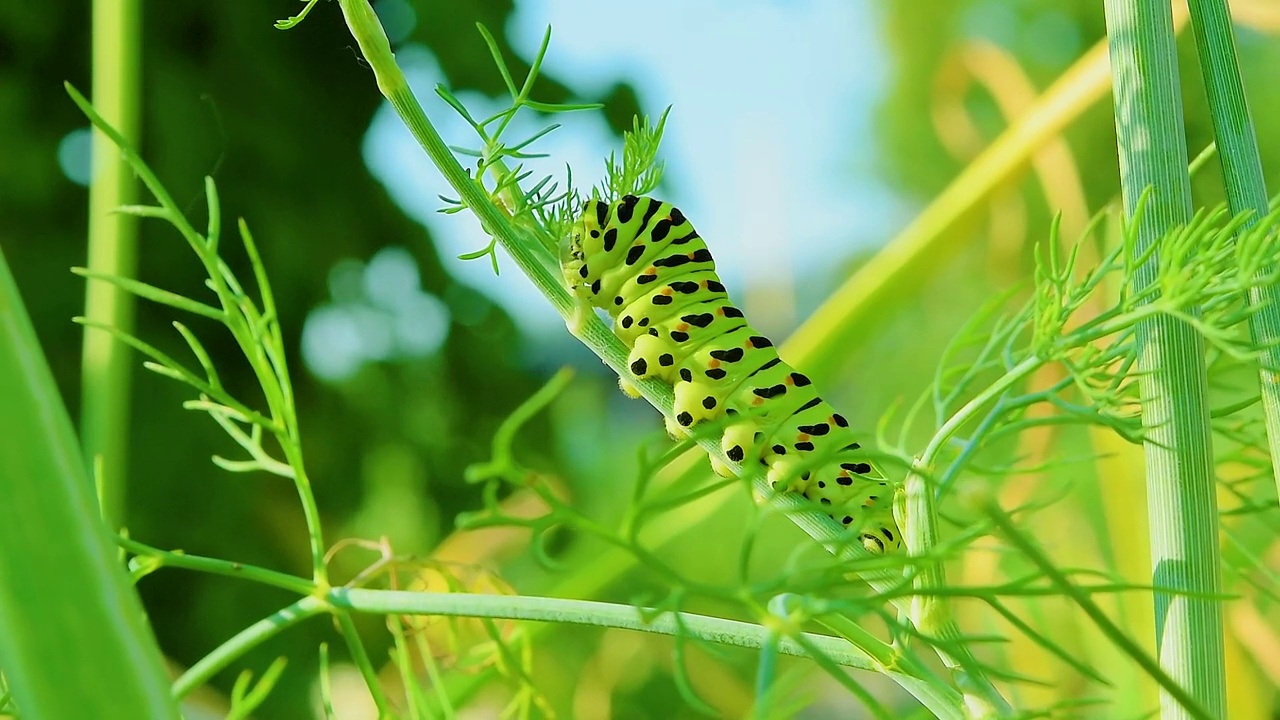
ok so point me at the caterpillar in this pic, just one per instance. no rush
(641, 261)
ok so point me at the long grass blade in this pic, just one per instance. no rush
(72, 635)
(1237, 142)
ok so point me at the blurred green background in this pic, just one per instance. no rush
(804, 135)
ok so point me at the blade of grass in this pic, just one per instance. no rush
(1181, 501)
(72, 632)
(1246, 189)
(113, 237)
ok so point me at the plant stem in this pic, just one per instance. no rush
(1172, 378)
(930, 614)
(369, 35)
(266, 357)
(227, 568)
(244, 641)
(113, 237)
(1246, 189)
(988, 395)
(587, 612)
(911, 674)
(311, 512)
(766, 674)
(360, 657)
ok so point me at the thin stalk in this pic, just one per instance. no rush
(970, 410)
(440, 692)
(911, 674)
(1172, 379)
(326, 686)
(113, 241)
(413, 695)
(1237, 142)
(766, 675)
(214, 566)
(311, 512)
(588, 612)
(928, 613)
(360, 657)
(244, 641)
(879, 653)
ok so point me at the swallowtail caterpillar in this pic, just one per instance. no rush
(642, 262)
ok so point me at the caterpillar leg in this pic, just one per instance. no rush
(628, 388)
(583, 312)
(674, 430)
(719, 468)
(695, 401)
(879, 535)
(867, 511)
(787, 474)
(738, 443)
(651, 357)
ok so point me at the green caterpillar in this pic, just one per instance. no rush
(641, 261)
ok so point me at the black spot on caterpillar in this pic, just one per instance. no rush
(642, 261)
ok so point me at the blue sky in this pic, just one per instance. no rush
(767, 148)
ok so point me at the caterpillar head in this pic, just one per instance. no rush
(582, 242)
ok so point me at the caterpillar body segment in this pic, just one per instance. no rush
(641, 261)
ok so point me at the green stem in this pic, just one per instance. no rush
(369, 35)
(971, 408)
(587, 612)
(928, 612)
(901, 669)
(361, 659)
(1172, 379)
(310, 511)
(265, 355)
(214, 566)
(766, 673)
(244, 641)
(905, 669)
(415, 699)
(105, 370)
(1246, 188)
(441, 696)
